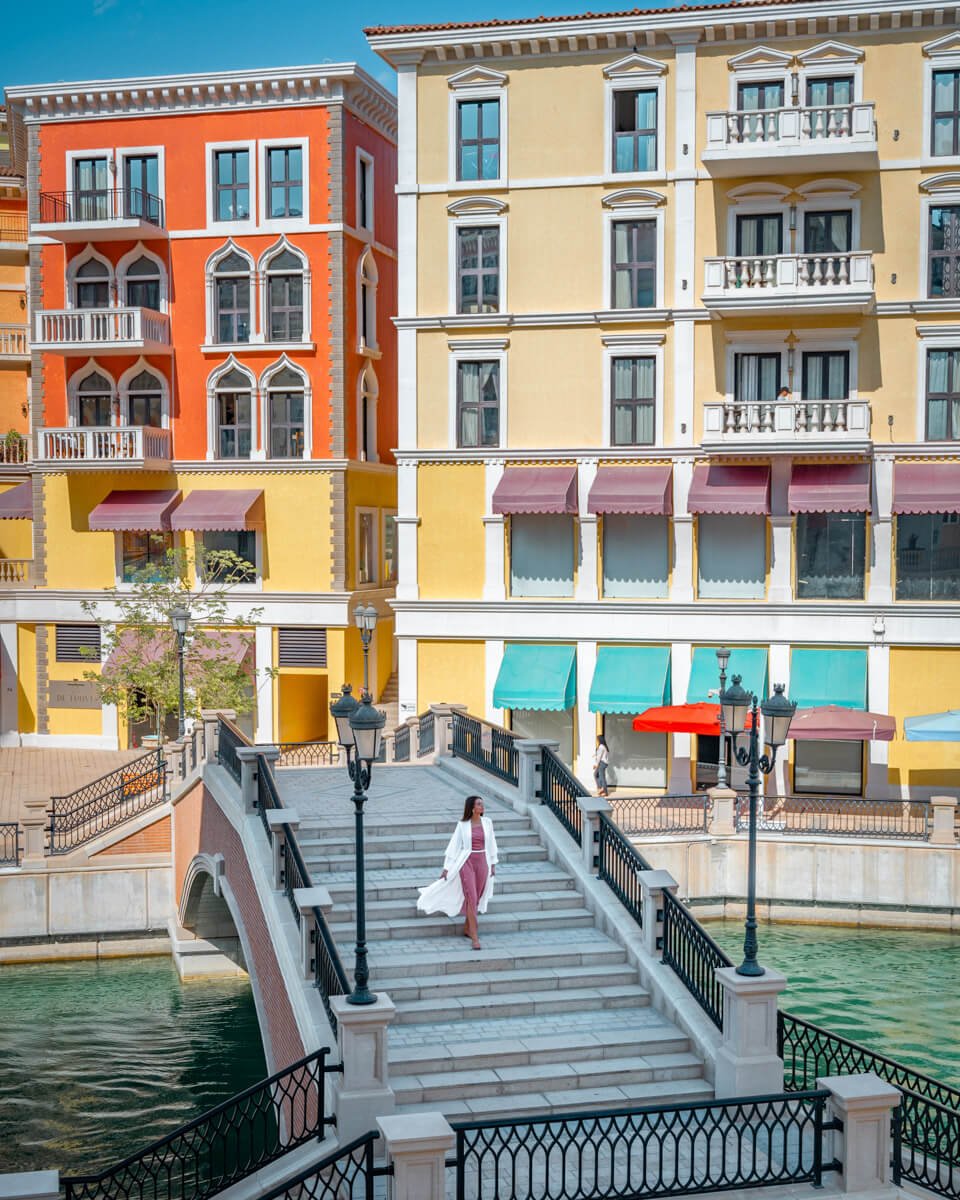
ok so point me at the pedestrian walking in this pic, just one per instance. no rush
(601, 760)
(469, 865)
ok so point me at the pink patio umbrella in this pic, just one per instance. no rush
(830, 723)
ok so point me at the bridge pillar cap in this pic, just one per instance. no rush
(657, 880)
(770, 981)
(275, 817)
(312, 897)
(866, 1090)
(381, 1010)
(30, 1185)
(409, 1133)
(590, 805)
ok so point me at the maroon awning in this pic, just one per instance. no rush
(830, 723)
(718, 488)
(829, 487)
(926, 487)
(536, 490)
(644, 490)
(223, 508)
(143, 510)
(16, 504)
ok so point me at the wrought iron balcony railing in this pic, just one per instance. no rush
(99, 205)
(104, 329)
(106, 445)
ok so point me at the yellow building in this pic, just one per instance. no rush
(679, 365)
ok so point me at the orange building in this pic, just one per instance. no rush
(212, 277)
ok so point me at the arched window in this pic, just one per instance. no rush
(285, 297)
(92, 284)
(145, 400)
(94, 400)
(367, 301)
(234, 407)
(285, 405)
(367, 428)
(232, 299)
(142, 284)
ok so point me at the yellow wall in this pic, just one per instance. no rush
(303, 704)
(16, 539)
(450, 538)
(27, 678)
(70, 720)
(923, 681)
(451, 672)
(368, 489)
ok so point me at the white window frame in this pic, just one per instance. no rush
(825, 340)
(123, 390)
(476, 350)
(826, 60)
(755, 342)
(107, 152)
(211, 344)
(632, 345)
(73, 395)
(375, 513)
(931, 337)
(632, 206)
(229, 228)
(120, 583)
(488, 215)
(125, 152)
(88, 254)
(476, 83)
(365, 227)
(263, 387)
(131, 256)
(384, 514)
(940, 55)
(267, 224)
(213, 380)
(759, 64)
(828, 195)
(255, 585)
(754, 198)
(633, 74)
(942, 191)
(374, 396)
(370, 349)
(262, 275)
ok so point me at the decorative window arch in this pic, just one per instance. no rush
(230, 276)
(142, 277)
(367, 279)
(144, 396)
(91, 280)
(287, 410)
(368, 394)
(92, 396)
(232, 404)
(285, 293)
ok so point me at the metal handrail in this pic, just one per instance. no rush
(486, 746)
(105, 783)
(142, 786)
(426, 739)
(336, 1176)
(401, 744)
(13, 227)
(661, 814)
(842, 816)
(10, 845)
(559, 791)
(307, 754)
(229, 741)
(694, 957)
(100, 204)
(617, 865)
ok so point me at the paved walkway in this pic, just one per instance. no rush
(31, 773)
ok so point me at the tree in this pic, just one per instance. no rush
(140, 674)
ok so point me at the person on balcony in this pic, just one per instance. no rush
(469, 865)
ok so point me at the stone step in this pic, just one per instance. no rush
(343, 826)
(551, 979)
(405, 909)
(520, 1004)
(400, 884)
(320, 862)
(432, 956)
(408, 840)
(421, 926)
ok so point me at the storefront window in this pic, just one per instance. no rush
(831, 556)
(828, 768)
(144, 555)
(636, 759)
(928, 556)
(541, 555)
(545, 725)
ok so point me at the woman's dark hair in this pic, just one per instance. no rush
(468, 807)
(602, 741)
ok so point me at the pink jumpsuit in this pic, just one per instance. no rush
(473, 873)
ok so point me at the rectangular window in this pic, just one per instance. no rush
(541, 554)
(826, 375)
(636, 557)
(545, 725)
(143, 554)
(302, 647)
(945, 251)
(231, 185)
(72, 640)
(389, 548)
(827, 233)
(478, 139)
(755, 102)
(364, 192)
(478, 404)
(928, 556)
(829, 92)
(233, 424)
(634, 264)
(943, 395)
(831, 556)
(759, 233)
(90, 189)
(478, 269)
(945, 125)
(284, 182)
(243, 543)
(141, 178)
(828, 768)
(366, 548)
(636, 759)
(756, 378)
(633, 394)
(635, 131)
(731, 556)
(286, 424)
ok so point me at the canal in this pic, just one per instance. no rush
(97, 1059)
(895, 991)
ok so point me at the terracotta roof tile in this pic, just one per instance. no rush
(10, 172)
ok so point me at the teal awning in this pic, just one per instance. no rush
(828, 677)
(540, 677)
(629, 679)
(749, 662)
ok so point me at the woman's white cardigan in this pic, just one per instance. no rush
(446, 895)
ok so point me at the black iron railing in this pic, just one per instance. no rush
(401, 744)
(229, 741)
(101, 204)
(675, 1150)
(840, 816)
(618, 864)
(308, 754)
(559, 791)
(10, 845)
(926, 1145)
(329, 975)
(224, 1145)
(427, 739)
(348, 1173)
(268, 797)
(694, 956)
(293, 871)
(487, 746)
(661, 814)
(99, 806)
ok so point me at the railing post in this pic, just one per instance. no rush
(413, 724)
(211, 725)
(248, 775)
(34, 825)
(276, 818)
(363, 1092)
(590, 809)
(747, 1063)
(30, 1185)
(863, 1104)
(529, 757)
(943, 832)
(390, 747)
(723, 821)
(306, 900)
(652, 886)
(174, 755)
(443, 728)
(417, 1145)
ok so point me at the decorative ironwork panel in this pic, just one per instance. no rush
(135, 788)
(10, 847)
(308, 754)
(328, 974)
(229, 741)
(559, 791)
(618, 865)
(839, 816)
(267, 795)
(427, 734)
(401, 744)
(487, 746)
(926, 1145)
(661, 814)
(108, 784)
(694, 956)
(346, 1174)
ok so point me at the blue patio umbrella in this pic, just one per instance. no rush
(934, 727)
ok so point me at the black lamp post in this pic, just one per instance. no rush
(778, 711)
(180, 620)
(723, 657)
(359, 729)
(365, 616)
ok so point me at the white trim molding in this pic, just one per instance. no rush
(476, 83)
(365, 221)
(484, 215)
(131, 256)
(263, 386)
(123, 390)
(634, 73)
(263, 275)
(647, 209)
(237, 225)
(213, 380)
(475, 350)
(87, 254)
(90, 367)
(940, 55)
(632, 345)
(266, 223)
(368, 278)
(209, 276)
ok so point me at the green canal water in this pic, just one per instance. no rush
(97, 1059)
(896, 992)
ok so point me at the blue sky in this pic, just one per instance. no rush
(97, 39)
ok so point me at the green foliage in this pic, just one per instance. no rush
(143, 678)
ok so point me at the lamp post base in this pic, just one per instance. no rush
(750, 968)
(362, 996)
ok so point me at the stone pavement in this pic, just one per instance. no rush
(28, 773)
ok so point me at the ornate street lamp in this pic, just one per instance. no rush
(723, 657)
(778, 712)
(359, 731)
(180, 620)
(365, 616)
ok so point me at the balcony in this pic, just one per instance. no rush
(14, 343)
(782, 283)
(102, 331)
(785, 140)
(789, 424)
(103, 215)
(108, 447)
(13, 236)
(16, 572)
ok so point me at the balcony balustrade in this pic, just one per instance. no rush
(116, 447)
(790, 139)
(14, 343)
(102, 331)
(15, 572)
(824, 422)
(101, 214)
(759, 283)
(13, 236)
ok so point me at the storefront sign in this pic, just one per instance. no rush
(68, 693)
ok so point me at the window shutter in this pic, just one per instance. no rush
(70, 639)
(302, 647)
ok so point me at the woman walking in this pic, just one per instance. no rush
(601, 759)
(469, 865)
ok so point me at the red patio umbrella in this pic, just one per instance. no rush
(703, 718)
(830, 723)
